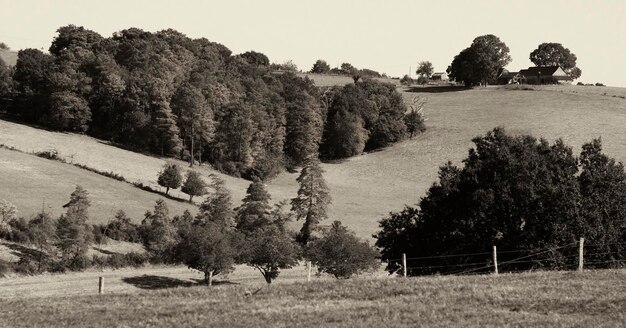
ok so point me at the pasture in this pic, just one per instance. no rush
(364, 188)
(537, 299)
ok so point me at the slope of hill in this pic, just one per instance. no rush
(30, 182)
(365, 188)
(540, 299)
(8, 56)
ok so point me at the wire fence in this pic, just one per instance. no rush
(596, 255)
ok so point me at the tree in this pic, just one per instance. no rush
(406, 80)
(320, 67)
(554, 54)
(74, 235)
(68, 112)
(311, 203)
(269, 249)
(341, 254)
(603, 201)
(158, 233)
(348, 69)
(414, 120)
(480, 62)
(121, 228)
(218, 206)
(42, 234)
(195, 116)
(4, 46)
(170, 177)
(255, 210)
(425, 69)
(208, 247)
(8, 213)
(193, 185)
(516, 192)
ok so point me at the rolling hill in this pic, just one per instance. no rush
(365, 188)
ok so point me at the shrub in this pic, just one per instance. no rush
(341, 254)
(599, 84)
(51, 154)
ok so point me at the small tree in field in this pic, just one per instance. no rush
(425, 70)
(74, 235)
(42, 234)
(270, 249)
(170, 177)
(194, 185)
(341, 254)
(414, 120)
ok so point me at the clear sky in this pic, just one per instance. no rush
(387, 36)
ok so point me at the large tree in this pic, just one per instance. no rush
(480, 63)
(170, 177)
(554, 54)
(195, 117)
(425, 69)
(516, 192)
(193, 185)
(74, 235)
(311, 203)
(320, 67)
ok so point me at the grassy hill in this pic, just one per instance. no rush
(540, 299)
(30, 182)
(365, 188)
(9, 57)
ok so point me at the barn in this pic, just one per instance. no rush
(545, 75)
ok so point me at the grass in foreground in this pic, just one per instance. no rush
(595, 298)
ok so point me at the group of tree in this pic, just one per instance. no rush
(171, 95)
(213, 241)
(480, 63)
(523, 195)
(322, 67)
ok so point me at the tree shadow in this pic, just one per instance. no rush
(104, 251)
(437, 89)
(25, 252)
(157, 282)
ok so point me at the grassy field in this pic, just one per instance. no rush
(540, 299)
(30, 182)
(365, 188)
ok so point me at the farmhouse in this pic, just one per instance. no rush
(440, 77)
(535, 75)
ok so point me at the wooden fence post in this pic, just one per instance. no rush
(308, 271)
(495, 260)
(404, 264)
(100, 285)
(580, 254)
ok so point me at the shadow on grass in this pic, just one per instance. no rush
(161, 282)
(24, 252)
(157, 282)
(437, 89)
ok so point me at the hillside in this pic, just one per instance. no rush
(30, 182)
(538, 299)
(9, 57)
(365, 188)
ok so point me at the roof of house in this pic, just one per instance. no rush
(554, 71)
(441, 73)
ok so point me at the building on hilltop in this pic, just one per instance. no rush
(443, 76)
(535, 75)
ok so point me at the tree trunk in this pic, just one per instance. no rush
(191, 157)
(210, 278)
(190, 197)
(167, 189)
(268, 278)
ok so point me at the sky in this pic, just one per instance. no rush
(389, 36)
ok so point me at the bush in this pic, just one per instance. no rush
(580, 83)
(117, 261)
(599, 84)
(51, 154)
(341, 254)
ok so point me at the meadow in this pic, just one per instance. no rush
(535, 299)
(364, 188)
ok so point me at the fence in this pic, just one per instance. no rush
(570, 256)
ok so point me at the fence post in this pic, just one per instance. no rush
(404, 264)
(580, 254)
(100, 285)
(308, 271)
(495, 260)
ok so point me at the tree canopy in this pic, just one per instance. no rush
(481, 62)
(554, 54)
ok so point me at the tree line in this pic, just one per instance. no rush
(212, 241)
(193, 99)
(524, 195)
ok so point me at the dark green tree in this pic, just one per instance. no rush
(425, 69)
(320, 67)
(554, 54)
(218, 206)
(170, 177)
(74, 235)
(193, 185)
(195, 117)
(481, 62)
(158, 233)
(311, 203)
(255, 210)
(340, 253)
